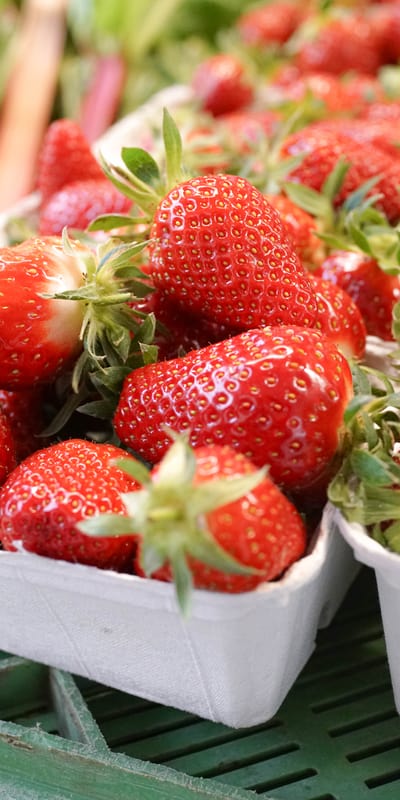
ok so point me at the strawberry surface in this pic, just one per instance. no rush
(262, 529)
(39, 336)
(65, 157)
(51, 491)
(276, 394)
(218, 248)
(78, 203)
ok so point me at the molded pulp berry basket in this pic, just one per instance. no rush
(233, 661)
(387, 570)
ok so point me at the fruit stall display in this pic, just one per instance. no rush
(199, 406)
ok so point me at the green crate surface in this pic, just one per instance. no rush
(336, 737)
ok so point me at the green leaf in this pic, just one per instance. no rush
(370, 468)
(107, 222)
(104, 525)
(141, 164)
(308, 199)
(173, 150)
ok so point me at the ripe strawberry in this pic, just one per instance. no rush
(220, 84)
(65, 309)
(39, 337)
(381, 133)
(77, 204)
(340, 45)
(269, 24)
(49, 493)
(275, 394)
(65, 157)
(225, 526)
(219, 249)
(8, 457)
(24, 410)
(302, 228)
(323, 148)
(339, 318)
(373, 290)
(178, 332)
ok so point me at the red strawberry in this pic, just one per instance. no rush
(381, 133)
(49, 493)
(270, 23)
(339, 318)
(65, 309)
(65, 157)
(39, 337)
(220, 250)
(77, 204)
(340, 45)
(302, 228)
(179, 332)
(226, 526)
(373, 290)
(220, 85)
(25, 411)
(323, 148)
(275, 394)
(8, 456)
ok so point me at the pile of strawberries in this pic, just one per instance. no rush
(204, 310)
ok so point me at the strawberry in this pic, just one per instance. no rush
(374, 290)
(65, 157)
(269, 24)
(39, 336)
(220, 84)
(275, 394)
(25, 411)
(78, 203)
(219, 249)
(48, 494)
(322, 149)
(66, 314)
(8, 456)
(302, 228)
(339, 318)
(341, 44)
(224, 526)
(177, 331)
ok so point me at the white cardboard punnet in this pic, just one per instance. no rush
(387, 570)
(232, 661)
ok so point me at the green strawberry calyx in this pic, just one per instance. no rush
(169, 514)
(141, 179)
(115, 338)
(366, 486)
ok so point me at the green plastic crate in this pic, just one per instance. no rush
(336, 737)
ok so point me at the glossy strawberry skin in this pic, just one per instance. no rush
(339, 318)
(262, 530)
(275, 394)
(342, 45)
(220, 85)
(55, 488)
(220, 250)
(24, 410)
(302, 229)
(77, 204)
(39, 337)
(8, 456)
(322, 148)
(268, 24)
(65, 157)
(374, 291)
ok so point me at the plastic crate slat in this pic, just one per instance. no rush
(74, 718)
(204, 738)
(38, 761)
(23, 686)
(144, 723)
